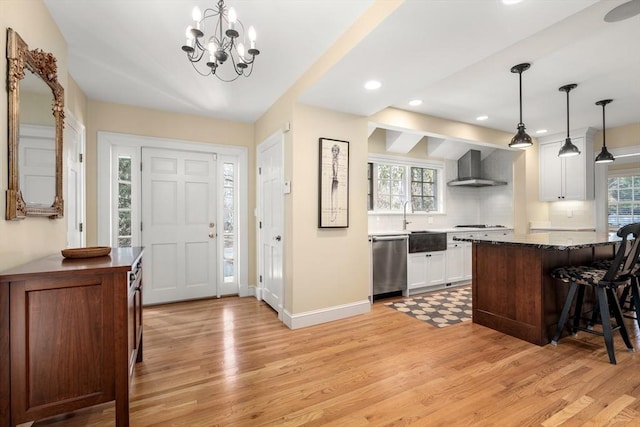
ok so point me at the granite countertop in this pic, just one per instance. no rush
(437, 230)
(561, 240)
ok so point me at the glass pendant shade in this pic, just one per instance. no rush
(605, 156)
(568, 149)
(521, 138)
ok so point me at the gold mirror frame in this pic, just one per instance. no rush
(42, 65)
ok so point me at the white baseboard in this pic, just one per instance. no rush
(329, 314)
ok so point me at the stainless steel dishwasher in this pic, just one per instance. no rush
(389, 264)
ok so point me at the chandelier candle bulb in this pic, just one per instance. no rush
(252, 37)
(189, 35)
(197, 16)
(233, 17)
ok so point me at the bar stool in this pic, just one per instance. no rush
(630, 295)
(605, 282)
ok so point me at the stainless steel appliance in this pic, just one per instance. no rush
(389, 264)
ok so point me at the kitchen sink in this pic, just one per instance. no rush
(427, 241)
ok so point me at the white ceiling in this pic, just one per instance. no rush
(455, 55)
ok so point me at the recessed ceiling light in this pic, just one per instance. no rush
(372, 85)
(541, 131)
(510, 2)
(481, 118)
(415, 102)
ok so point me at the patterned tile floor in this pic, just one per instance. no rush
(440, 308)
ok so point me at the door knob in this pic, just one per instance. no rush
(212, 234)
(278, 238)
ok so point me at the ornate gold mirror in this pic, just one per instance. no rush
(36, 119)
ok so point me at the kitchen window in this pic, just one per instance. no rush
(624, 199)
(392, 182)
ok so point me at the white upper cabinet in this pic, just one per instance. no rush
(568, 178)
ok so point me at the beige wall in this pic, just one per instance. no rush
(330, 267)
(31, 238)
(618, 137)
(76, 101)
(162, 124)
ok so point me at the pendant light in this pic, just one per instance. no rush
(521, 139)
(568, 149)
(605, 156)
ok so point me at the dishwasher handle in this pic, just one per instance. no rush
(382, 238)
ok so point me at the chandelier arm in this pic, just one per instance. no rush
(194, 56)
(200, 72)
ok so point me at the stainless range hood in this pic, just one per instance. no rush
(469, 172)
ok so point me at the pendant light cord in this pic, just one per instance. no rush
(520, 80)
(567, 113)
(604, 133)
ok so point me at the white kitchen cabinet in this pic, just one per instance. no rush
(426, 269)
(456, 262)
(568, 178)
(468, 260)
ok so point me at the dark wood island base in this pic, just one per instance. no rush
(513, 291)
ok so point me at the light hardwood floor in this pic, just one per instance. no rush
(229, 362)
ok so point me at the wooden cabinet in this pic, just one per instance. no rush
(426, 269)
(568, 178)
(70, 333)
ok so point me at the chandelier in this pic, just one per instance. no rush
(221, 43)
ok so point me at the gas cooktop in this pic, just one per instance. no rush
(479, 226)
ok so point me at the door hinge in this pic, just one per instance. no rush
(80, 157)
(140, 225)
(260, 224)
(80, 227)
(261, 278)
(140, 166)
(259, 171)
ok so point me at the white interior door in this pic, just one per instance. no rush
(75, 179)
(179, 225)
(270, 181)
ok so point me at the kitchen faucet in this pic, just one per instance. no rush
(404, 215)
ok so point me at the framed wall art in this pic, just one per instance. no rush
(333, 203)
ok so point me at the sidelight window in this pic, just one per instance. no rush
(124, 201)
(229, 224)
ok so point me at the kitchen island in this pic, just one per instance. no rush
(513, 291)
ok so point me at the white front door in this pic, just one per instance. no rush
(179, 225)
(270, 184)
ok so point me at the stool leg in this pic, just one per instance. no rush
(623, 298)
(565, 312)
(617, 313)
(595, 313)
(635, 296)
(606, 322)
(577, 312)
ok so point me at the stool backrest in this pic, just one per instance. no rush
(628, 253)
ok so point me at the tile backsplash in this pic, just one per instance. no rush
(464, 205)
